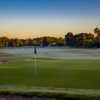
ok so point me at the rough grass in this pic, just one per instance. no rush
(59, 94)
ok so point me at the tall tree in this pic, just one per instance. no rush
(69, 38)
(44, 41)
(97, 31)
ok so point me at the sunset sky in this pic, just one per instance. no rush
(35, 18)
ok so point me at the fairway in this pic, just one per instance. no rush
(56, 72)
(53, 73)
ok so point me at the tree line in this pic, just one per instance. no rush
(79, 40)
(83, 40)
(42, 41)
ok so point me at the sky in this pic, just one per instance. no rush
(35, 18)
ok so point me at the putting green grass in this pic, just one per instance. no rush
(53, 73)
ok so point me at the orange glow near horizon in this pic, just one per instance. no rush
(36, 18)
(24, 28)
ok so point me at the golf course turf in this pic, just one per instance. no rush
(58, 78)
(54, 73)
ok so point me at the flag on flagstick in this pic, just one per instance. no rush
(35, 51)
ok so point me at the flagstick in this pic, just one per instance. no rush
(35, 61)
(35, 65)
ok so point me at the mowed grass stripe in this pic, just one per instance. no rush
(7, 67)
(40, 60)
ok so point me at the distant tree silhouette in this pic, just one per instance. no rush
(83, 40)
(97, 38)
(44, 42)
(80, 40)
(69, 38)
(97, 31)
